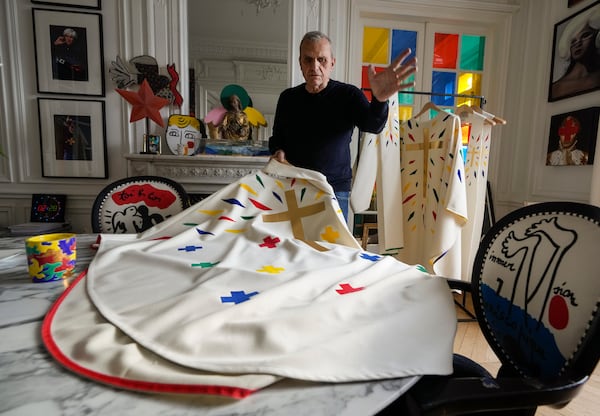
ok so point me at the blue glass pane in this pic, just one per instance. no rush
(443, 83)
(402, 39)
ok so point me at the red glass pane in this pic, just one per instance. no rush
(364, 78)
(365, 84)
(445, 50)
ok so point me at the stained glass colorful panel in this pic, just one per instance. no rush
(472, 51)
(402, 39)
(365, 75)
(445, 50)
(443, 83)
(404, 112)
(404, 98)
(469, 83)
(365, 84)
(376, 45)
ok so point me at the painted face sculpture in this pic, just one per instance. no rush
(184, 134)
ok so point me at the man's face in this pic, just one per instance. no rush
(316, 63)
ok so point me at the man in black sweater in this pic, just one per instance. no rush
(314, 121)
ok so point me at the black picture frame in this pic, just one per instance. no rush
(152, 144)
(562, 83)
(82, 4)
(69, 52)
(73, 138)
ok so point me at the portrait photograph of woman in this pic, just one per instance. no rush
(576, 54)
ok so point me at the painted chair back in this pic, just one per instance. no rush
(133, 205)
(536, 290)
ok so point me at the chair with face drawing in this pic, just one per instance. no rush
(536, 292)
(132, 205)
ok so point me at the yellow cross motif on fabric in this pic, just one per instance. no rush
(425, 147)
(330, 235)
(471, 154)
(271, 269)
(294, 214)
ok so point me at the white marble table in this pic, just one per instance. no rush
(32, 383)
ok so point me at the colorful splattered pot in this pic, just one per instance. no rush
(50, 257)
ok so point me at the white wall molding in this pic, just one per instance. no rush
(207, 48)
(267, 77)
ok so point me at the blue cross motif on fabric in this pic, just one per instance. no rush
(189, 248)
(372, 257)
(237, 296)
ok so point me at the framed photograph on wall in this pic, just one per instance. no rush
(69, 54)
(48, 208)
(576, 55)
(573, 138)
(84, 4)
(72, 138)
(152, 144)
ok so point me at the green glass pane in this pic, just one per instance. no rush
(404, 98)
(472, 52)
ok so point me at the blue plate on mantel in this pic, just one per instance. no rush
(235, 149)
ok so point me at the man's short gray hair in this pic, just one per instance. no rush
(315, 36)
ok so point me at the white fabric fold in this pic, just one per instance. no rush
(264, 278)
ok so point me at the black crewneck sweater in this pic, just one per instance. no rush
(315, 130)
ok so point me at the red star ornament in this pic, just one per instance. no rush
(145, 103)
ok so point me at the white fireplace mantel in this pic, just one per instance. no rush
(202, 174)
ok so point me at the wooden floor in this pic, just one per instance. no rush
(469, 341)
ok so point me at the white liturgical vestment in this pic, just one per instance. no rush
(379, 165)
(476, 167)
(433, 193)
(260, 281)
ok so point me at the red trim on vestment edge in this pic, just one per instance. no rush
(235, 392)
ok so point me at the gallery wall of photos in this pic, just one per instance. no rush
(69, 60)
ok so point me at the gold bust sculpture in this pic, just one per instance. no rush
(235, 125)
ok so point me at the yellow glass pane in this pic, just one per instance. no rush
(404, 112)
(466, 101)
(469, 83)
(376, 45)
